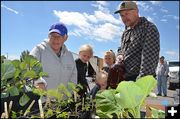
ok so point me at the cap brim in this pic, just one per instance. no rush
(123, 10)
(54, 30)
(117, 11)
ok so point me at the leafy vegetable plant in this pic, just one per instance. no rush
(125, 101)
(17, 77)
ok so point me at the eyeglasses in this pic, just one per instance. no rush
(55, 37)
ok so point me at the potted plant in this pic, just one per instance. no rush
(126, 100)
(17, 83)
(21, 99)
(64, 102)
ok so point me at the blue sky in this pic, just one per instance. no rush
(25, 24)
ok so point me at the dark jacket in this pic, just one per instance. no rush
(81, 77)
(116, 75)
(91, 71)
(140, 48)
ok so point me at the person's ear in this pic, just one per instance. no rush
(137, 12)
(48, 36)
(65, 37)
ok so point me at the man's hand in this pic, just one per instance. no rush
(119, 59)
(40, 86)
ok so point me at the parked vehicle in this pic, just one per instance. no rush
(173, 74)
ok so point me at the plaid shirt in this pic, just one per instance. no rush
(140, 47)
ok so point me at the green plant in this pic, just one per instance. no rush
(57, 101)
(24, 54)
(64, 102)
(17, 77)
(156, 113)
(125, 101)
(2, 58)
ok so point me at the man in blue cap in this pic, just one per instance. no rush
(56, 60)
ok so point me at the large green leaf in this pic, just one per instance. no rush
(105, 100)
(13, 91)
(30, 74)
(71, 86)
(134, 93)
(40, 92)
(54, 93)
(130, 94)
(23, 99)
(147, 84)
(127, 97)
(41, 74)
(23, 66)
(16, 63)
(17, 73)
(37, 66)
(30, 61)
(106, 103)
(62, 89)
(7, 70)
(103, 114)
(34, 62)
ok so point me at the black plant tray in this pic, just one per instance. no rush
(16, 107)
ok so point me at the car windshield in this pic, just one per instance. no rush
(172, 64)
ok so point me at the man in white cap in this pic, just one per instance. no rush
(56, 60)
(162, 73)
(140, 44)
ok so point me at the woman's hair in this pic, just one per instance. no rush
(87, 48)
(112, 54)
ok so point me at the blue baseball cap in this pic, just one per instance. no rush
(59, 28)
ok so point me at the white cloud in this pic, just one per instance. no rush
(100, 25)
(91, 18)
(13, 57)
(75, 33)
(164, 10)
(101, 5)
(171, 16)
(176, 17)
(72, 18)
(164, 20)
(155, 2)
(172, 53)
(101, 16)
(167, 16)
(9, 9)
(106, 32)
(144, 6)
(150, 19)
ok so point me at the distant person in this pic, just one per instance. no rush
(140, 44)
(56, 60)
(109, 60)
(162, 73)
(82, 63)
(101, 82)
